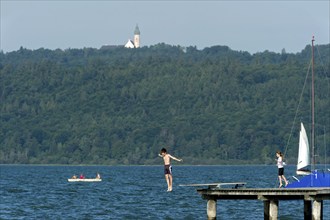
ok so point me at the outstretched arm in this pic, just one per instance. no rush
(174, 158)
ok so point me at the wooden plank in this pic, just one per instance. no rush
(213, 184)
(216, 185)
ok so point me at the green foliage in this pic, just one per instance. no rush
(121, 106)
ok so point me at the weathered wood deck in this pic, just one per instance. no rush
(313, 199)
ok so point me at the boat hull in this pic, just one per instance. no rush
(317, 179)
(84, 180)
(303, 172)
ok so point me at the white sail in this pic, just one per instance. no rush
(303, 155)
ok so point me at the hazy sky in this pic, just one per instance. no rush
(253, 26)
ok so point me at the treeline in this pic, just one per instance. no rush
(121, 106)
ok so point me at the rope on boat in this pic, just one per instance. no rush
(295, 117)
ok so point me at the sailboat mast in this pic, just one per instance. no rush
(313, 122)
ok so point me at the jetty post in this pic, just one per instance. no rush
(211, 209)
(317, 212)
(270, 209)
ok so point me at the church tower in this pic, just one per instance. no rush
(137, 37)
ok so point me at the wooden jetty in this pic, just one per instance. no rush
(313, 199)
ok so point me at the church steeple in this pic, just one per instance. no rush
(137, 37)
(137, 30)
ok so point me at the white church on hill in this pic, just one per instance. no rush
(136, 42)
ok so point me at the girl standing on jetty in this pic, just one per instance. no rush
(280, 166)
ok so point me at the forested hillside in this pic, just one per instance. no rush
(121, 106)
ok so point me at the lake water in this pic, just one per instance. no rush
(133, 192)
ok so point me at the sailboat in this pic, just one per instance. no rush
(303, 153)
(314, 178)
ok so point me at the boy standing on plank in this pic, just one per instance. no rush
(167, 167)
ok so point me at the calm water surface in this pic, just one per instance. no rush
(132, 192)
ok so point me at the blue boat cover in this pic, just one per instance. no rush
(318, 178)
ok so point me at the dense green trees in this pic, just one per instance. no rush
(120, 106)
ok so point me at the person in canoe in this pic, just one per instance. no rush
(74, 176)
(82, 176)
(98, 176)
